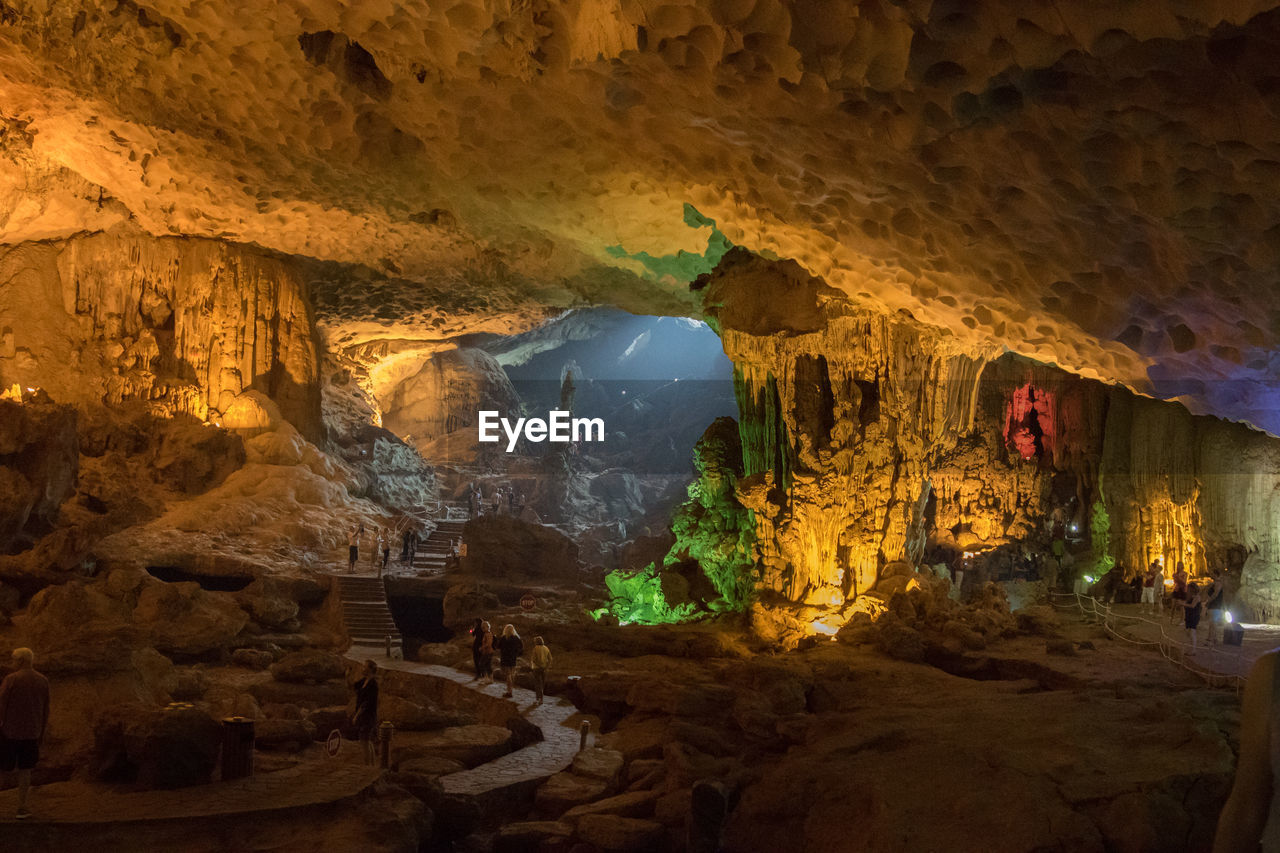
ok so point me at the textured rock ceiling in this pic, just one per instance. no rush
(1093, 184)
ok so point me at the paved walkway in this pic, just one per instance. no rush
(533, 763)
(313, 783)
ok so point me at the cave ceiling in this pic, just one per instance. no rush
(1091, 184)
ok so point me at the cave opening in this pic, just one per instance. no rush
(643, 388)
(208, 582)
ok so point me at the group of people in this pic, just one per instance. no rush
(505, 500)
(508, 647)
(382, 540)
(1192, 601)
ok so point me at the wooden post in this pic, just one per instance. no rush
(385, 731)
(583, 732)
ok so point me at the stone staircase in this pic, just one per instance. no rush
(434, 550)
(365, 614)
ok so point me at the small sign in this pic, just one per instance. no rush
(334, 743)
(527, 601)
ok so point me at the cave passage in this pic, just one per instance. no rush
(208, 582)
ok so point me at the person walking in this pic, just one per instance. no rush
(353, 547)
(539, 663)
(509, 647)
(413, 545)
(24, 718)
(1191, 610)
(387, 537)
(365, 716)
(486, 651)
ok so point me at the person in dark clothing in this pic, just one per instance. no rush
(1192, 607)
(404, 546)
(509, 647)
(24, 718)
(413, 546)
(1214, 606)
(486, 651)
(477, 640)
(365, 717)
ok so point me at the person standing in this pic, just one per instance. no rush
(24, 718)
(1148, 601)
(375, 546)
(1179, 594)
(509, 648)
(365, 716)
(539, 663)
(1214, 606)
(387, 537)
(353, 547)
(486, 651)
(413, 545)
(477, 640)
(1191, 610)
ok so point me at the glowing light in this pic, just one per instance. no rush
(1228, 616)
(1088, 578)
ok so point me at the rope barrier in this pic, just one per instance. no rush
(1095, 610)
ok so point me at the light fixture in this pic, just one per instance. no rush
(1228, 616)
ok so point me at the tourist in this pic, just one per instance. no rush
(1179, 594)
(1245, 815)
(385, 542)
(539, 662)
(365, 717)
(477, 640)
(24, 718)
(404, 545)
(1191, 609)
(486, 651)
(1148, 600)
(509, 647)
(413, 545)
(353, 547)
(1213, 607)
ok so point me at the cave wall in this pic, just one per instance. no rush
(199, 327)
(842, 410)
(867, 435)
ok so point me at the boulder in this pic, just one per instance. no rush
(499, 546)
(531, 836)
(183, 619)
(304, 695)
(523, 732)
(899, 641)
(1041, 619)
(463, 601)
(270, 602)
(564, 791)
(613, 834)
(597, 763)
(633, 804)
(308, 666)
(155, 749)
(284, 735)
(252, 658)
(326, 720)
